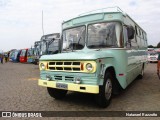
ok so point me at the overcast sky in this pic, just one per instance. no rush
(21, 20)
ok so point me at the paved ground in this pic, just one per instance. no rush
(19, 92)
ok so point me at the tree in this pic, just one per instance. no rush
(158, 45)
(150, 46)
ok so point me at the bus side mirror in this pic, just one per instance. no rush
(130, 32)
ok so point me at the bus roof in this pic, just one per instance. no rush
(103, 11)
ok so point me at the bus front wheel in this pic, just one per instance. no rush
(56, 93)
(105, 91)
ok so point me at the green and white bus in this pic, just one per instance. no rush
(102, 52)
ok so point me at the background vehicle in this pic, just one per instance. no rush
(47, 45)
(101, 53)
(30, 55)
(37, 48)
(15, 55)
(12, 54)
(23, 55)
(18, 56)
(53, 46)
(152, 57)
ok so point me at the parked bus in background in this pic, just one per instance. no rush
(16, 55)
(30, 55)
(23, 55)
(37, 48)
(45, 44)
(53, 46)
(12, 54)
(48, 43)
(102, 52)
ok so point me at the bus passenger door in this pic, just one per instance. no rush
(131, 58)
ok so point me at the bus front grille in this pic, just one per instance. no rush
(64, 66)
(66, 78)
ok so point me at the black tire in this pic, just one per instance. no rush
(105, 93)
(142, 73)
(56, 93)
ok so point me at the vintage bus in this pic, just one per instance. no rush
(44, 46)
(23, 55)
(53, 46)
(49, 43)
(102, 52)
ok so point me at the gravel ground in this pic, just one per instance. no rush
(19, 92)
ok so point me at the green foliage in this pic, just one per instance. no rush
(158, 45)
(150, 46)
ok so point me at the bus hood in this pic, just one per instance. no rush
(78, 55)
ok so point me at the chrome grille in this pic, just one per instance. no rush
(66, 78)
(64, 66)
(57, 77)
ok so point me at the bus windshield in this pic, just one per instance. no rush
(30, 52)
(104, 35)
(74, 38)
(23, 53)
(43, 47)
(37, 47)
(53, 46)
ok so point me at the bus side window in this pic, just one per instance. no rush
(127, 41)
(142, 35)
(136, 30)
(139, 32)
(130, 32)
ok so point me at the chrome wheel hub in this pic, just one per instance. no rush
(108, 89)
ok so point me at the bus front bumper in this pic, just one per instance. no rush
(70, 86)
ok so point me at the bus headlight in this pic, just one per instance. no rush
(89, 66)
(77, 80)
(42, 66)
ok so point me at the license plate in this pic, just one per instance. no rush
(62, 85)
(153, 59)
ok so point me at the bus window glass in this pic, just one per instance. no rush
(102, 35)
(30, 52)
(23, 53)
(44, 47)
(53, 47)
(136, 30)
(139, 32)
(74, 38)
(127, 41)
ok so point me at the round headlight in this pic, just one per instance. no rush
(42, 66)
(89, 67)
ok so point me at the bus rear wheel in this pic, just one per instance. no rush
(56, 93)
(105, 91)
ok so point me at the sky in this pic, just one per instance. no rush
(21, 20)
